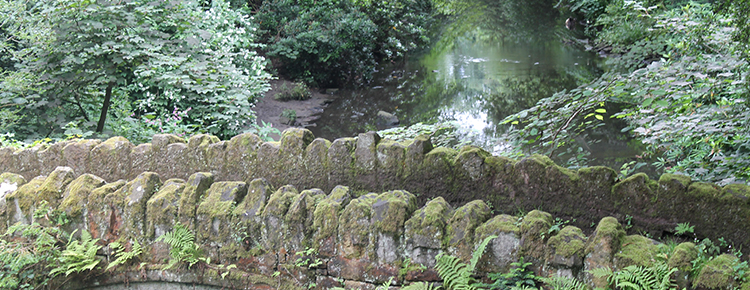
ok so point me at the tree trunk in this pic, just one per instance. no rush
(105, 108)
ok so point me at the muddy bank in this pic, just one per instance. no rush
(270, 110)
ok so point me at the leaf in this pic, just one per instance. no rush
(600, 117)
(601, 110)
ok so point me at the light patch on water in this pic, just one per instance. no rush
(7, 187)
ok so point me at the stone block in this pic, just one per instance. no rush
(111, 161)
(461, 228)
(601, 248)
(503, 250)
(425, 231)
(326, 220)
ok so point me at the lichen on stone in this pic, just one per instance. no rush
(718, 273)
(568, 242)
(76, 194)
(683, 256)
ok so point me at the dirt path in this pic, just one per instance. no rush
(269, 110)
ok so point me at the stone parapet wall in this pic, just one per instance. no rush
(290, 238)
(368, 163)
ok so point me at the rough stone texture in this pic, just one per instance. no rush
(503, 250)
(52, 188)
(247, 214)
(326, 220)
(75, 201)
(103, 220)
(355, 239)
(682, 257)
(601, 248)
(635, 250)
(460, 229)
(128, 207)
(273, 218)
(390, 211)
(367, 164)
(718, 273)
(214, 218)
(534, 225)
(425, 232)
(565, 252)
(110, 159)
(194, 191)
(20, 204)
(299, 219)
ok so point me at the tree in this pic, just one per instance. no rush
(160, 55)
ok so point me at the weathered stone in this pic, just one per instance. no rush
(391, 160)
(635, 196)
(162, 208)
(75, 202)
(76, 155)
(601, 248)
(471, 162)
(20, 204)
(363, 270)
(110, 159)
(195, 189)
(299, 219)
(214, 217)
(635, 250)
(424, 232)
(103, 220)
(390, 212)
(533, 227)
(682, 259)
(240, 157)
(290, 169)
(174, 161)
(54, 185)
(247, 217)
(326, 220)
(436, 172)
(565, 252)
(365, 154)
(718, 273)
(7, 160)
(52, 157)
(216, 153)
(503, 250)
(415, 153)
(273, 218)
(128, 205)
(317, 165)
(460, 230)
(9, 183)
(198, 152)
(142, 158)
(341, 161)
(355, 227)
(27, 162)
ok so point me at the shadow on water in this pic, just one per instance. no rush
(490, 60)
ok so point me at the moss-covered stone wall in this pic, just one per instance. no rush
(368, 163)
(290, 237)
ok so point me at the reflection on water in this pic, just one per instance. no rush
(483, 68)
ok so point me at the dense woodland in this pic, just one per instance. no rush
(92, 69)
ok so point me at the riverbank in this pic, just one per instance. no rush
(270, 110)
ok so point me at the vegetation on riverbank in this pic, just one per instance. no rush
(676, 74)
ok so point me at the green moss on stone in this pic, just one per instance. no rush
(536, 222)
(201, 140)
(194, 191)
(392, 209)
(426, 228)
(568, 242)
(703, 190)
(161, 208)
(54, 185)
(499, 224)
(609, 231)
(279, 202)
(21, 202)
(222, 198)
(77, 193)
(464, 221)
(718, 273)
(636, 250)
(12, 179)
(326, 215)
(255, 201)
(683, 256)
(736, 190)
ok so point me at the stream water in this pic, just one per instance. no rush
(488, 63)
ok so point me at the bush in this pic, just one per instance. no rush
(298, 92)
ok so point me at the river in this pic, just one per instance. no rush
(491, 61)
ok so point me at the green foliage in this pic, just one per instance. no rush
(556, 227)
(684, 228)
(307, 258)
(421, 286)
(457, 274)
(122, 256)
(147, 58)
(519, 276)
(263, 131)
(290, 115)
(656, 277)
(182, 247)
(338, 42)
(563, 283)
(78, 256)
(441, 134)
(298, 92)
(685, 103)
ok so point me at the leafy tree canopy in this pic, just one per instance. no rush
(72, 60)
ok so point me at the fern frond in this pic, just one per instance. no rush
(479, 252)
(601, 272)
(121, 256)
(421, 286)
(564, 283)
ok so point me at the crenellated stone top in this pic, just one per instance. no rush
(368, 163)
(360, 239)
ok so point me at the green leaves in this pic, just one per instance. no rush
(78, 256)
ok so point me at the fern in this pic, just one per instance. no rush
(421, 286)
(123, 256)
(656, 277)
(564, 283)
(456, 274)
(182, 247)
(78, 257)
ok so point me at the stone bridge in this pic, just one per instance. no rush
(354, 212)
